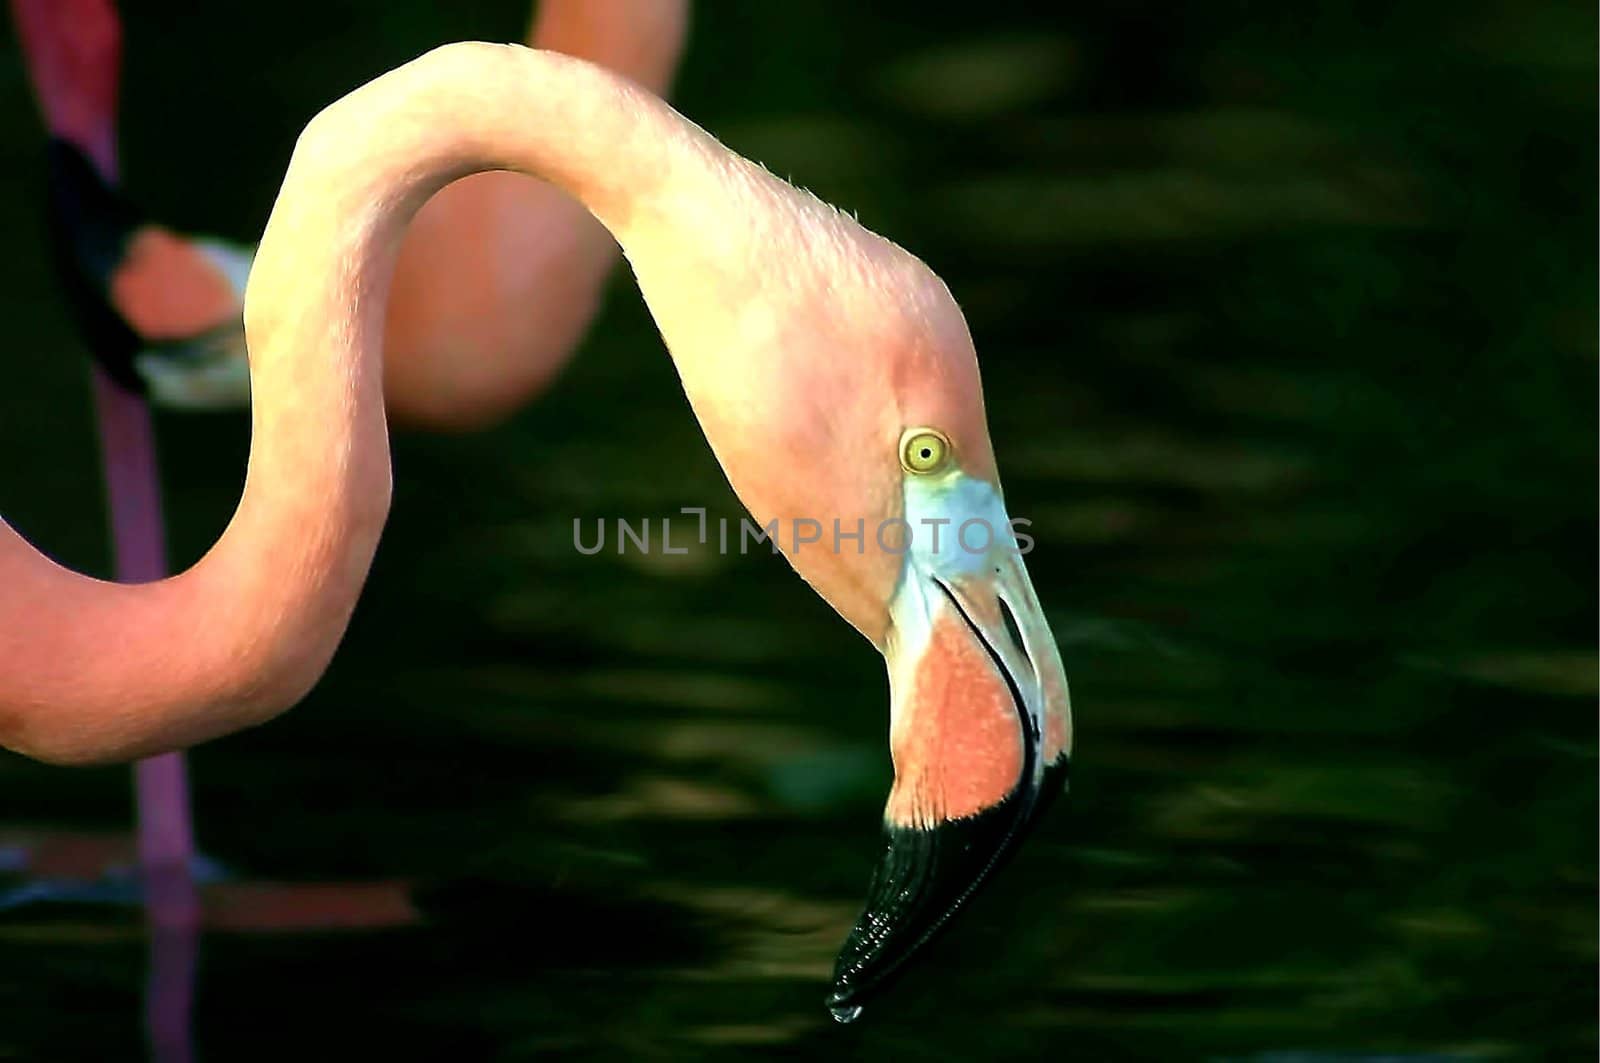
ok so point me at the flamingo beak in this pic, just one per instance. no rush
(980, 733)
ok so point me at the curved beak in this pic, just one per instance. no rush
(980, 733)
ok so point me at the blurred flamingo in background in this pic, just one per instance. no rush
(497, 280)
(73, 52)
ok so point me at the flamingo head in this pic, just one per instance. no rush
(837, 383)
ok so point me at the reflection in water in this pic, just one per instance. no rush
(96, 874)
(174, 951)
(1313, 496)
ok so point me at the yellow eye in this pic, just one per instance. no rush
(924, 450)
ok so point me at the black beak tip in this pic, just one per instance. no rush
(924, 878)
(840, 1008)
(859, 969)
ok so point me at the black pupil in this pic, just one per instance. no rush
(926, 453)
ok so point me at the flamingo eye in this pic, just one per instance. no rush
(924, 450)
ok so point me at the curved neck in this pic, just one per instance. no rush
(318, 479)
(314, 310)
(92, 671)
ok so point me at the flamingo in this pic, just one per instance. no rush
(496, 283)
(830, 370)
(498, 278)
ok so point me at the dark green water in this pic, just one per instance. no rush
(1288, 330)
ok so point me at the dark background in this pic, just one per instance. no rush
(1287, 320)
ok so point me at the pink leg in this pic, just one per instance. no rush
(161, 785)
(166, 839)
(169, 991)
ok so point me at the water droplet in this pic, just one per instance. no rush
(845, 1012)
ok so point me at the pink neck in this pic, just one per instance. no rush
(92, 671)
